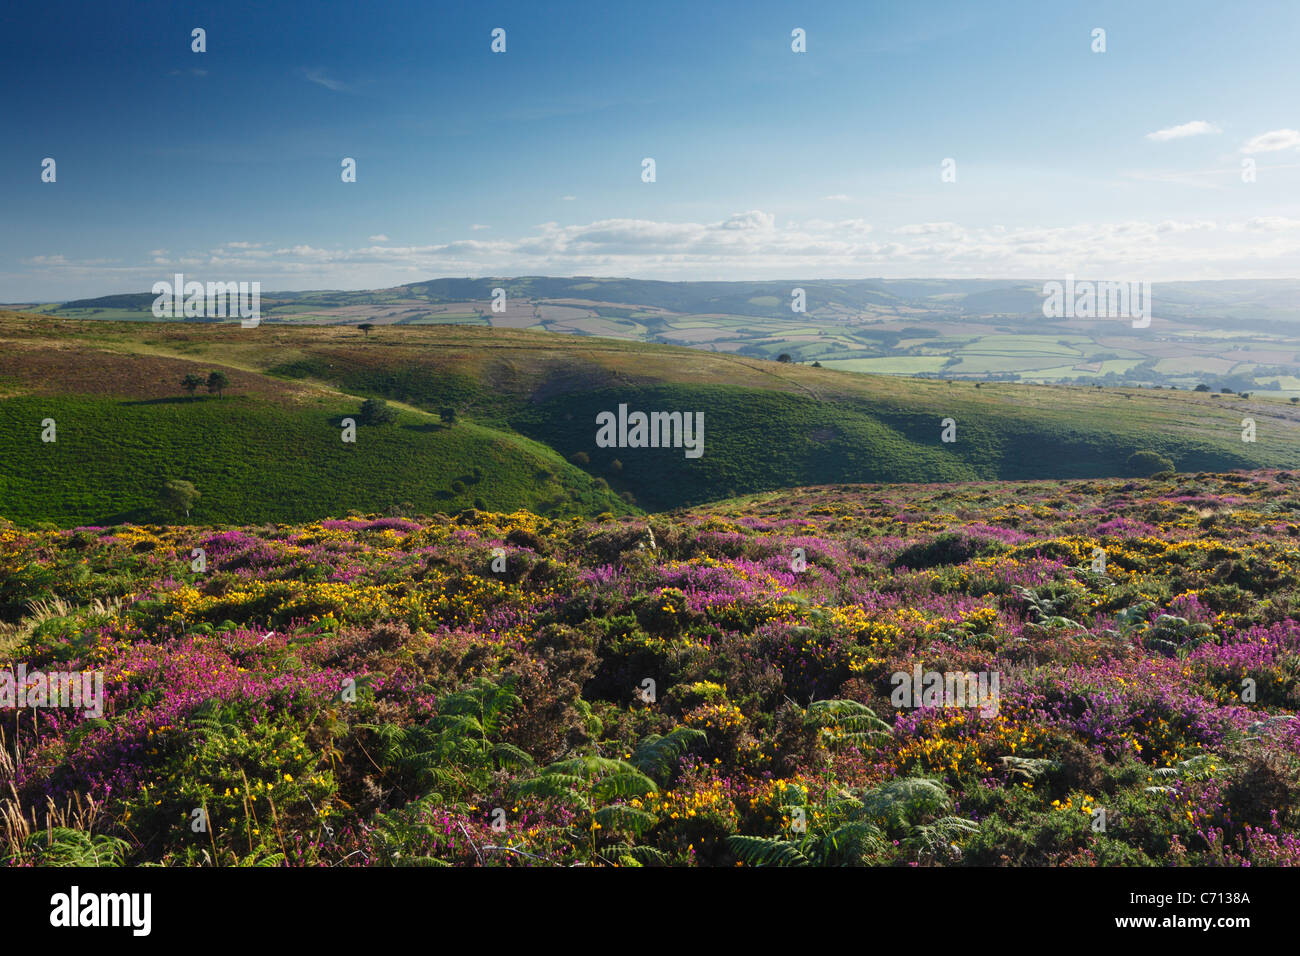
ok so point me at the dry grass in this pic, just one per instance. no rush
(18, 824)
(15, 636)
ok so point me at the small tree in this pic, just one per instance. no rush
(448, 415)
(366, 327)
(1201, 388)
(376, 411)
(784, 357)
(218, 382)
(178, 496)
(191, 383)
(1148, 463)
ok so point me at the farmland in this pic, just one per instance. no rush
(1241, 336)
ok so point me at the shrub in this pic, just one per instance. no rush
(948, 548)
(376, 411)
(1147, 463)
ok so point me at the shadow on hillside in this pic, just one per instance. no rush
(134, 516)
(175, 400)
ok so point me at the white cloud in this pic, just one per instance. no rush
(1194, 128)
(568, 198)
(837, 197)
(1170, 225)
(319, 77)
(478, 225)
(379, 238)
(1268, 224)
(747, 245)
(1272, 141)
(929, 229)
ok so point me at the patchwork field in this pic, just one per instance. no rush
(1241, 336)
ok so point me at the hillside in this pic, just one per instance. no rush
(1226, 334)
(269, 448)
(720, 686)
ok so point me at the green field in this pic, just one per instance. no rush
(527, 401)
(253, 462)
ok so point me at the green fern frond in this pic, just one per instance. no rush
(657, 756)
(767, 851)
(508, 755)
(622, 817)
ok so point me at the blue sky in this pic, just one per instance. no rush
(770, 164)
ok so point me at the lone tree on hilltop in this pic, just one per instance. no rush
(178, 496)
(784, 357)
(376, 411)
(366, 327)
(191, 383)
(1146, 463)
(218, 382)
(448, 415)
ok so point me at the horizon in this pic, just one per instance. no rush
(1010, 280)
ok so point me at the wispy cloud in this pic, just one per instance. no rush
(379, 237)
(1194, 128)
(1272, 141)
(319, 77)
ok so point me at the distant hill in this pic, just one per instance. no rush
(1243, 335)
(526, 403)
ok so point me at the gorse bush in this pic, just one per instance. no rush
(505, 689)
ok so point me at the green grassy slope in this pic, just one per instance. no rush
(254, 461)
(528, 400)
